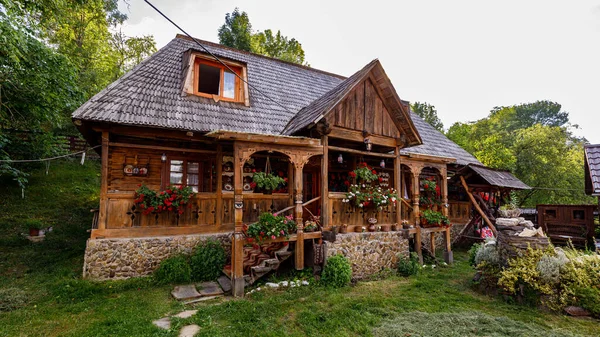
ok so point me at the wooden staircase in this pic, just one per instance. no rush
(261, 261)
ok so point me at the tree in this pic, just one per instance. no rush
(277, 46)
(237, 33)
(131, 51)
(533, 141)
(429, 114)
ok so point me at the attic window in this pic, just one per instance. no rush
(214, 80)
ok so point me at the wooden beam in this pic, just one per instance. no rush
(441, 159)
(237, 254)
(219, 191)
(362, 153)
(476, 205)
(259, 138)
(357, 136)
(134, 232)
(103, 216)
(325, 182)
(161, 148)
(398, 184)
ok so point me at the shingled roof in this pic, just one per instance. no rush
(436, 143)
(151, 94)
(592, 169)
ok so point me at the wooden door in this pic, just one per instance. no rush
(311, 188)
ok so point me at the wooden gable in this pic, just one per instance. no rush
(364, 110)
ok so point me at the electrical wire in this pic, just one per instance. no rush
(216, 58)
(47, 159)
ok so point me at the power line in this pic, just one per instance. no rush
(47, 159)
(216, 58)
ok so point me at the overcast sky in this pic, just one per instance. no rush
(463, 57)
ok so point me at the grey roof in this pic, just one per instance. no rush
(151, 94)
(436, 143)
(499, 178)
(592, 160)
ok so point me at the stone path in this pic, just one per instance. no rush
(210, 289)
(189, 330)
(186, 331)
(185, 292)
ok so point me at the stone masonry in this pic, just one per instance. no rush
(121, 258)
(369, 253)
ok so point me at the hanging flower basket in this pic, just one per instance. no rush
(174, 198)
(270, 226)
(267, 181)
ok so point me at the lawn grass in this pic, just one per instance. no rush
(437, 302)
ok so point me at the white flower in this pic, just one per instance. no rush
(383, 201)
(393, 199)
(360, 205)
(433, 266)
(363, 185)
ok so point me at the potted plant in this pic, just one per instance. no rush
(406, 224)
(431, 218)
(344, 228)
(174, 198)
(310, 226)
(33, 226)
(267, 181)
(271, 226)
(364, 174)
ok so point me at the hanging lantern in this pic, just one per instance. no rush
(340, 159)
(368, 144)
(382, 164)
(163, 158)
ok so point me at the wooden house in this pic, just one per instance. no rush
(184, 118)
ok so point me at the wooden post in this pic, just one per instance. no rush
(237, 254)
(432, 243)
(476, 205)
(398, 184)
(416, 172)
(325, 183)
(448, 255)
(298, 166)
(103, 216)
(219, 191)
(418, 244)
(444, 190)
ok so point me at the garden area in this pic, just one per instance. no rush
(42, 292)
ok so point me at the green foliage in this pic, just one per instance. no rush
(270, 226)
(130, 51)
(34, 224)
(473, 253)
(488, 253)
(429, 114)
(589, 299)
(12, 298)
(173, 270)
(337, 272)
(535, 142)
(267, 181)
(208, 261)
(237, 33)
(173, 198)
(408, 266)
(434, 218)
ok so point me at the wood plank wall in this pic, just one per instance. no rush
(363, 109)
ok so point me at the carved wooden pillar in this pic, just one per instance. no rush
(398, 184)
(416, 172)
(325, 183)
(298, 166)
(219, 191)
(237, 254)
(444, 189)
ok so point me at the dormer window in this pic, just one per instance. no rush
(214, 80)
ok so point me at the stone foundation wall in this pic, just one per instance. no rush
(369, 253)
(439, 238)
(131, 257)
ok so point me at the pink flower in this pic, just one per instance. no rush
(282, 232)
(273, 237)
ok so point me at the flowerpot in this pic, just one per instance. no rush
(34, 232)
(372, 228)
(358, 229)
(395, 227)
(406, 225)
(344, 229)
(268, 192)
(385, 228)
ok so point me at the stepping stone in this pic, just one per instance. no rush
(210, 289)
(189, 330)
(163, 323)
(185, 292)
(225, 283)
(186, 314)
(201, 299)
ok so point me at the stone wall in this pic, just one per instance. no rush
(131, 257)
(369, 253)
(439, 238)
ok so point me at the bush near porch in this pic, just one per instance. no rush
(53, 300)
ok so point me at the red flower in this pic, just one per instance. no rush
(253, 170)
(273, 237)
(352, 174)
(374, 172)
(380, 179)
(170, 209)
(281, 173)
(285, 179)
(426, 186)
(252, 185)
(347, 183)
(180, 211)
(250, 240)
(169, 191)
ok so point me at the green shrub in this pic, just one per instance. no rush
(473, 253)
(12, 298)
(488, 254)
(589, 299)
(173, 270)
(33, 223)
(337, 272)
(208, 261)
(408, 266)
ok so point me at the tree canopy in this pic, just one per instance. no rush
(429, 114)
(237, 33)
(535, 142)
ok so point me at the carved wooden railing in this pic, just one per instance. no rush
(344, 213)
